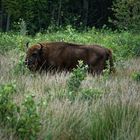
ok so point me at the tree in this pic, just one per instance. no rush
(40, 14)
(127, 14)
(85, 10)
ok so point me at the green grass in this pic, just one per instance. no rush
(124, 44)
(106, 107)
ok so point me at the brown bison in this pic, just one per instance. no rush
(65, 56)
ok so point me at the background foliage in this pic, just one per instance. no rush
(127, 14)
(39, 15)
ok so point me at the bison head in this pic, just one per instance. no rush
(33, 57)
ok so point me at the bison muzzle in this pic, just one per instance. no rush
(65, 56)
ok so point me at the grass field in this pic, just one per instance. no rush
(38, 106)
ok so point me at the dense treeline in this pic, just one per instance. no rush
(41, 14)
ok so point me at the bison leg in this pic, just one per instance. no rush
(98, 68)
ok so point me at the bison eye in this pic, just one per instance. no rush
(34, 54)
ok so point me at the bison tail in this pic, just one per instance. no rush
(110, 58)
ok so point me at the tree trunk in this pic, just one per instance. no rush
(39, 22)
(1, 16)
(59, 13)
(85, 14)
(8, 23)
(52, 16)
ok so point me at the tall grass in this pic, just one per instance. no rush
(104, 107)
(114, 115)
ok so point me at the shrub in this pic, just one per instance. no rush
(25, 119)
(106, 74)
(23, 28)
(28, 124)
(136, 76)
(77, 76)
(8, 109)
(7, 42)
(20, 67)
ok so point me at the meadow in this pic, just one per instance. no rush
(70, 106)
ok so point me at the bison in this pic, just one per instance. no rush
(65, 56)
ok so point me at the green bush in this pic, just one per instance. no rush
(9, 41)
(136, 76)
(28, 124)
(77, 76)
(25, 119)
(8, 109)
(20, 67)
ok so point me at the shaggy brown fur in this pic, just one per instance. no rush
(62, 55)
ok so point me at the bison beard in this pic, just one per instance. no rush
(65, 56)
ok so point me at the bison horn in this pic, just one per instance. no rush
(41, 46)
(27, 44)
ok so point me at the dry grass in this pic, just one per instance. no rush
(115, 115)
